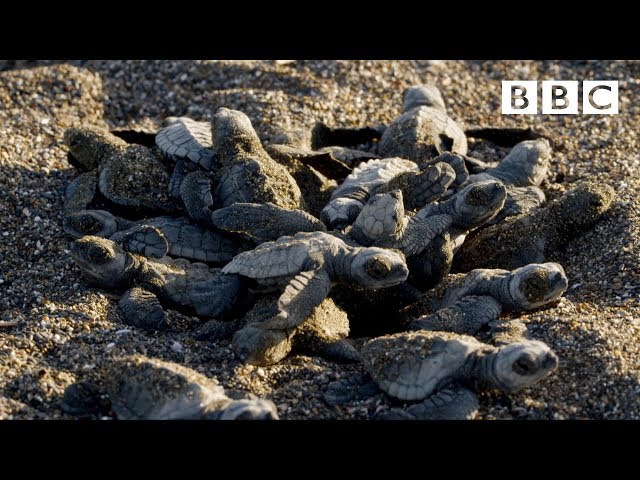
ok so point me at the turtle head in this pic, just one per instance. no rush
(89, 146)
(341, 212)
(519, 365)
(379, 268)
(99, 223)
(422, 95)
(381, 218)
(232, 132)
(256, 409)
(102, 261)
(537, 284)
(527, 163)
(478, 203)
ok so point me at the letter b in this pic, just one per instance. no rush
(559, 97)
(519, 97)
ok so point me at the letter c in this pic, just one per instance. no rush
(593, 90)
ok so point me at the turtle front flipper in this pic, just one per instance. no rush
(195, 191)
(80, 193)
(351, 389)
(420, 232)
(180, 172)
(142, 308)
(451, 403)
(421, 188)
(467, 316)
(456, 161)
(304, 292)
(342, 351)
(264, 222)
(143, 239)
(261, 346)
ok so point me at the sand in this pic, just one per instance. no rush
(54, 330)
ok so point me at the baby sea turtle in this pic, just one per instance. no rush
(540, 235)
(384, 175)
(465, 303)
(141, 388)
(175, 282)
(127, 175)
(307, 264)
(323, 333)
(424, 129)
(383, 223)
(442, 370)
(155, 237)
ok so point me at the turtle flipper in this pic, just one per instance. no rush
(430, 266)
(304, 292)
(351, 389)
(519, 201)
(421, 231)
(451, 403)
(260, 346)
(180, 171)
(340, 351)
(467, 316)
(142, 308)
(421, 188)
(264, 222)
(504, 332)
(144, 240)
(80, 193)
(195, 191)
(456, 161)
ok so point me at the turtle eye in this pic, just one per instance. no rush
(99, 255)
(378, 267)
(524, 366)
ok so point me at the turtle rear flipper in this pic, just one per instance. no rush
(451, 403)
(144, 240)
(467, 316)
(142, 308)
(354, 388)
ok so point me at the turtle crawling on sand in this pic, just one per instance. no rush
(465, 303)
(141, 388)
(155, 237)
(176, 282)
(442, 370)
(540, 235)
(126, 174)
(307, 264)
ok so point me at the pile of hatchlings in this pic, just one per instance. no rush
(340, 242)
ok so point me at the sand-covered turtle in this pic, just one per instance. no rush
(307, 264)
(443, 370)
(424, 129)
(323, 333)
(141, 388)
(156, 236)
(178, 282)
(128, 175)
(540, 235)
(465, 303)
(379, 176)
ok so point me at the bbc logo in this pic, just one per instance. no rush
(599, 97)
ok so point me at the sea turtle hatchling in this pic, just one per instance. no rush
(383, 223)
(465, 303)
(383, 175)
(307, 264)
(155, 237)
(128, 175)
(540, 235)
(141, 388)
(424, 129)
(442, 370)
(176, 282)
